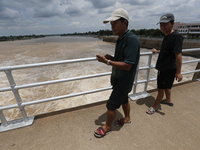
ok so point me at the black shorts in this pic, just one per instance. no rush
(165, 78)
(116, 99)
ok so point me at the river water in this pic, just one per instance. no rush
(50, 49)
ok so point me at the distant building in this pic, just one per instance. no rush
(187, 29)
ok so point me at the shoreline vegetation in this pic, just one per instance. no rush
(149, 38)
(20, 37)
(156, 33)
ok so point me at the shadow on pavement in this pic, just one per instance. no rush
(149, 102)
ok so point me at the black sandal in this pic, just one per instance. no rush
(164, 102)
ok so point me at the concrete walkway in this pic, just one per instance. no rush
(171, 128)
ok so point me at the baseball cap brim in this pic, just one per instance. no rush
(112, 18)
(163, 21)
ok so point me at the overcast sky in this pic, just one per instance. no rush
(25, 17)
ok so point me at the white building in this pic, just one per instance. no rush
(187, 29)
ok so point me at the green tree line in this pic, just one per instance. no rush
(20, 37)
(141, 32)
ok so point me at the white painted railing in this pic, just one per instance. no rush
(8, 125)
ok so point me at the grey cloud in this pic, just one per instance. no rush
(52, 11)
(24, 14)
(73, 11)
(39, 9)
(105, 3)
(7, 14)
(20, 5)
(139, 2)
(66, 3)
(102, 3)
(32, 3)
(45, 13)
(8, 9)
(2, 7)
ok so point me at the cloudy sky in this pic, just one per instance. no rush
(25, 17)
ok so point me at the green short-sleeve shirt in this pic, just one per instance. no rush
(127, 50)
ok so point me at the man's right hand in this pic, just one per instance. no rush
(109, 57)
(155, 50)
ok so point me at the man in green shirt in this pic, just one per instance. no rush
(124, 65)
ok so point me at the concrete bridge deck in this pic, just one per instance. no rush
(171, 128)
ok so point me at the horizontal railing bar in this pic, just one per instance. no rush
(153, 79)
(9, 107)
(54, 63)
(82, 77)
(146, 53)
(65, 96)
(66, 61)
(46, 64)
(144, 81)
(54, 98)
(190, 72)
(53, 82)
(69, 61)
(191, 50)
(184, 62)
(64, 80)
(5, 89)
(191, 61)
(145, 68)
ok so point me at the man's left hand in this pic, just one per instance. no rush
(101, 58)
(178, 77)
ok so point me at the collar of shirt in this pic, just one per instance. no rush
(124, 35)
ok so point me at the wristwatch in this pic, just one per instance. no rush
(108, 62)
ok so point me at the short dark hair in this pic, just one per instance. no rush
(172, 21)
(123, 19)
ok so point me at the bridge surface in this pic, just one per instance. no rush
(171, 128)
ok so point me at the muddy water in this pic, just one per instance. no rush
(55, 49)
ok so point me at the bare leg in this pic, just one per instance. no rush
(109, 120)
(158, 98)
(168, 95)
(126, 109)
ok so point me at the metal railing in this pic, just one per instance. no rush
(25, 120)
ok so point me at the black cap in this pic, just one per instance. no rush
(166, 18)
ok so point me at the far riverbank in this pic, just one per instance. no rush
(150, 43)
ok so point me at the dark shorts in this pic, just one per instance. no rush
(116, 99)
(165, 78)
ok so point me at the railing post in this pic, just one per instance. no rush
(136, 96)
(197, 74)
(135, 81)
(16, 94)
(148, 72)
(3, 119)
